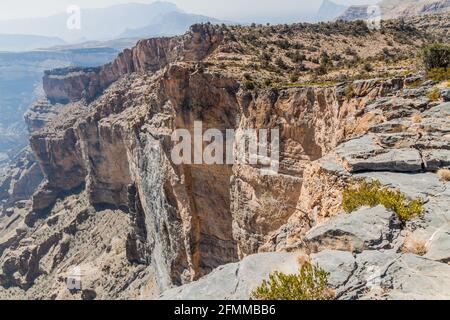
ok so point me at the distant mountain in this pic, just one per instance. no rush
(169, 24)
(21, 82)
(117, 44)
(96, 24)
(329, 10)
(14, 42)
(399, 8)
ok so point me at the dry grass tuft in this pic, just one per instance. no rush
(415, 246)
(434, 95)
(417, 118)
(444, 175)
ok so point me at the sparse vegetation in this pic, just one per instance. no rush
(310, 284)
(444, 175)
(249, 85)
(436, 60)
(349, 92)
(372, 194)
(368, 67)
(338, 51)
(415, 246)
(434, 94)
(436, 56)
(417, 118)
(439, 74)
(281, 64)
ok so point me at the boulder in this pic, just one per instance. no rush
(446, 95)
(339, 264)
(436, 159)
(386, 275)
(367, 228)
(364, 154)
(421, 185)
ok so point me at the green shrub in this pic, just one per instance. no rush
(294, 77)
(368, 67)
(372, 194)
(281, 64)
(321, 70)
(439, 74)
(434, 94)
(310, 284)
(296, 56)
(350, 92)
(266, 56)
(436, 56)
(249, 85)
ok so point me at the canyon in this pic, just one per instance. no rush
(105, 196)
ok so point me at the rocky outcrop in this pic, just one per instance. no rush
(366, 229)
(40, 113)
(73, 84)
(362, 252)
(19, 181)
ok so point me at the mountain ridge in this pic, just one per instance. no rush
(330, 10)
(96, 24)
(394, 9)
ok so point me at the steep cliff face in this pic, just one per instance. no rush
(113, 199)
(190, 219)
(74, 84)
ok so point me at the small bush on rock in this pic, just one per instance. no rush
(372, 194)
(310, 284)
(434, 94)
(439, 74)
(349, 92)
(414, 245)
(436, 56)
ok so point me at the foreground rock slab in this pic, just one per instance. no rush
(366, 228)
(386, 275)
(235, 281)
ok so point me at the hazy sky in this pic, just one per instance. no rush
(228, 9)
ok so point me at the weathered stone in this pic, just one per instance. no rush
(236, 281)
(367, 228)
(446, 95)
(385, 275)
(436, 159)
(417, 92)
(339, 264)
(422, 185)
(363, 154)
(438, 246)
(115, 204)
(414, 278)
(442, 110)
(20, 180)
(73, 84)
